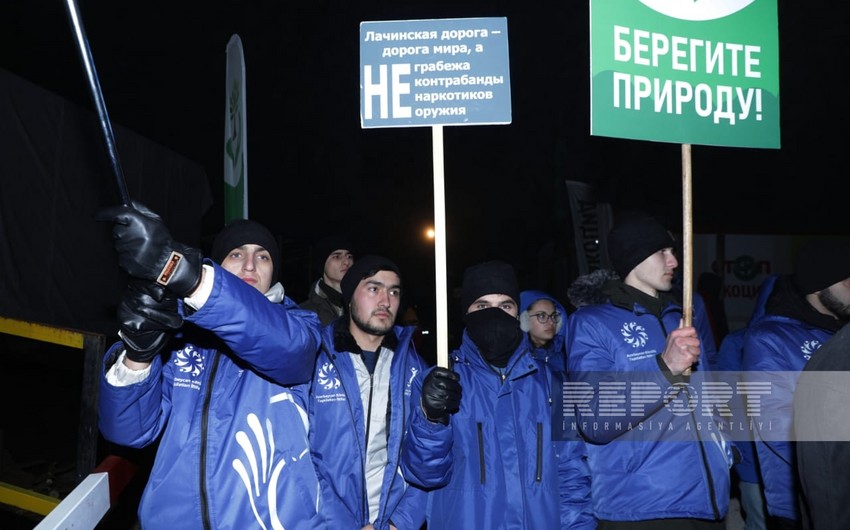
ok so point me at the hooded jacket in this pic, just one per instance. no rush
(338, 432)
(782, 342)
(233, 450)
(646, 462)
(553, 353)
(508, 471)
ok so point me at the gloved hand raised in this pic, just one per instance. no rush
(147, 315)
(441, 393)
(146, 250)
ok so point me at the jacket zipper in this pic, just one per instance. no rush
(538, 476)
(205, 416)
(481, 452)
(363, 496)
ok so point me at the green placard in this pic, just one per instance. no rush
(692, 71)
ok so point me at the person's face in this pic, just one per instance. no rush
(503, 301)
(655, 273)
(541, 333)
(337, 264)
(836, 299)
(375, 302)
(253, 264)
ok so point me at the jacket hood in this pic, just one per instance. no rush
(765, 289)
(786, 300)
(604, 286)
(527, 298)
(587, 288)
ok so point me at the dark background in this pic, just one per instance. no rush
(313, 170)
(161, 67)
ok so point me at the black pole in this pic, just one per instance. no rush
(97, 97)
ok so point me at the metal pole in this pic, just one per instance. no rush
(97, 97)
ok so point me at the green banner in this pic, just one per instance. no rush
(692, 72)
(235, 135)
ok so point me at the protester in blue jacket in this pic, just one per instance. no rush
(804, 311)
(233, 450)
(508, 469)
(544, 319)
(654, 464)
(367, 380)
(730, 358)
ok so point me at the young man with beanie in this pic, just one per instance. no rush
(233, 449)
(367, 381)
(630, 337)
(336, 255)
(508, 470)
(805, 309)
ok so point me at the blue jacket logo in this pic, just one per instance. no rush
(809, 347)
(325, 377)
(634, 335)
(189, 361)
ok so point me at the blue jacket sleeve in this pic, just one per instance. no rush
(574, 487)
(279, 341)
(133, 415)
(427, 456)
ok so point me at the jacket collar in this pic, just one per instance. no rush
(344, 340)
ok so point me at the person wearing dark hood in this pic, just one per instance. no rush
(227, 403)
(543, 317)
(805, 309)
(367, 382)
(510, 470)
(336, 255)
(628, 338)
(822, 430)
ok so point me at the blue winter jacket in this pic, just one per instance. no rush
(780, 345)
(730, 358)
(233, 451)
(555, 352)
(337, 435)
(640, 468)
(508, 472)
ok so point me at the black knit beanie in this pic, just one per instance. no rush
(246, 232)
(325, 246)
(821, 263)
(363, 268)
(490, 277)
(635, 237)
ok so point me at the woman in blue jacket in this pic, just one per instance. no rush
(233, 450)
(544, 319)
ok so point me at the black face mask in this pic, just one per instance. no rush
(496, 333)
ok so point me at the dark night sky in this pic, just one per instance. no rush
(312, 168)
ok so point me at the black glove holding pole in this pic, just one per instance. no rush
(441, 393)
(147, 315)
(146, 250)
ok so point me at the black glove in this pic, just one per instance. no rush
(440, 394)
(148, 314)
(146, 250)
